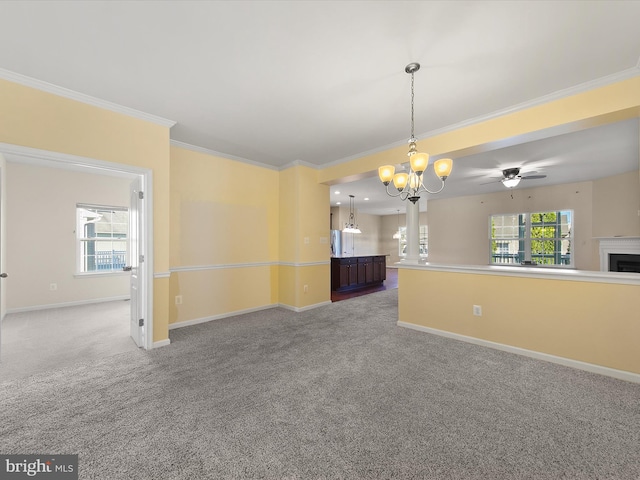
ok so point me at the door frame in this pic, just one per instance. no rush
(34, 156)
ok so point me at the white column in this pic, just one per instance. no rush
(413, 233)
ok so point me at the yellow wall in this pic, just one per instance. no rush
(304, 238)
(590, 322)
(224, 235)
(245, 237)
(37, 119)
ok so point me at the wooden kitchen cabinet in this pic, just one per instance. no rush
(349, 273)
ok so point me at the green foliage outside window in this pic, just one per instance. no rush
(543, 238)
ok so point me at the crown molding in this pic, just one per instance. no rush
(297, 163)
(206, 151)
(81, 97)
(558, 95)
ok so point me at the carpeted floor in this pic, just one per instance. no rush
(43, 340)
(335, 392)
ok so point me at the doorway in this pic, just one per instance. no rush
(141, 177)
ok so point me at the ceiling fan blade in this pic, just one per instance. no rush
(533, 177)
(492, 181)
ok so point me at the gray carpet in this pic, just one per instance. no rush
(335, 392)
(43, 340)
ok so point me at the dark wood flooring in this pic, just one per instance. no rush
(389, 283)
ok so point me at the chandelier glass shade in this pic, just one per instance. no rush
(411, 185)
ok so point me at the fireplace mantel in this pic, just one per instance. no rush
(617, 245)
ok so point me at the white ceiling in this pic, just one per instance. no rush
(323, 81)
(574, 157)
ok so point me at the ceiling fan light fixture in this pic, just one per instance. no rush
(511, 182)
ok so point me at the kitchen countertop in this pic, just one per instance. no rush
(364, 255)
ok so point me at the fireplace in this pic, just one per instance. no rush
(624, 262)
(620, 254)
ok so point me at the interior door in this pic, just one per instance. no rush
(136, 258)
(2, 243)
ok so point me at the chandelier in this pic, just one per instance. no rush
(410, 185)
(351, 226)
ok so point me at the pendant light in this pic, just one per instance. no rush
(351, 226)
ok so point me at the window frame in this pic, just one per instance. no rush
(424, 241)
(526, 240)
(82, 239)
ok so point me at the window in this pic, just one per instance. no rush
(101, 233)
(542, 238)
(424, 240)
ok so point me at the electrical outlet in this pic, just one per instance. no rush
(324, 240)
(477, 310)
(53, 287)
(178, 299)
(306, 240)
(306, 289)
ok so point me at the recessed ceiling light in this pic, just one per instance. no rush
(366, 198)
(338, 203)
(337, 192)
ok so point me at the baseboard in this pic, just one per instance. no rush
(161, 343)
(567, 362)
(304, 309)
(196, 321)
(67, 304)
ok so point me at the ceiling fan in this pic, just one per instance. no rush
(511, 177)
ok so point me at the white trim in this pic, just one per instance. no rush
(617, 246)
(567, 362)
(300, 163)
(162, 275)
(161, 343)
(63, 160)
(304, 309)
(193, 268)
(206, 151)
(531, 272)
(304, 264)
(95, 165)
(147, 209)
(81, 97)
(197, 321)
(34, 308)
(100, 274)
(558, 95)
(227, 156)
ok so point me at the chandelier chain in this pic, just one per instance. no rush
(412, 95)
